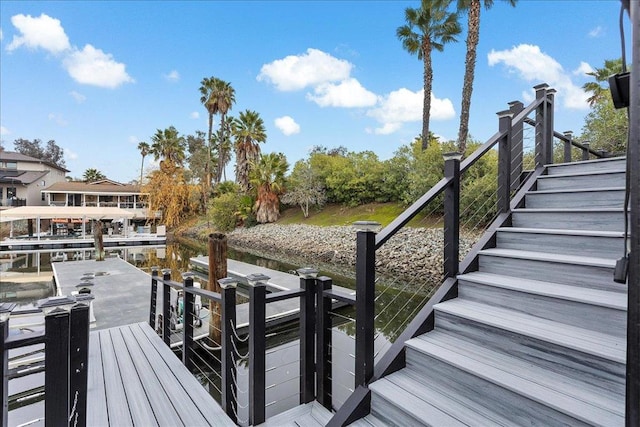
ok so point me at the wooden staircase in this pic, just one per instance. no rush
(537, 333)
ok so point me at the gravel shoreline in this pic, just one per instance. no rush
(410, 253)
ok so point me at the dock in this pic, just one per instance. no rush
(64, 243)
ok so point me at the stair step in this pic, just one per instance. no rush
(610, 197)
(593, 309)
(593, 357)
(581, 180)
(589, 272)
(598, 165)
(309, 414)
(527, 393)
(603, 219)
(604, 244)
(369, 421)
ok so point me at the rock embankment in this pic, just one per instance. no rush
(411, 252)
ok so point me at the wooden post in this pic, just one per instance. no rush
(217, 271)
(567, 146)
(585, 151)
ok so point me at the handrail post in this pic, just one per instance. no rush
(188, 300)
(550, 116)
(504, 162)
(452, 215)
(585, 150)
(166, 303)
(323, 347)
(307, 334)
(567, 146)
(257, 348)
(365, 300)
(79, 360)
(229, 390)
(5, 312)
(517, 145)
(154, 296)
(56, 373)
(541, 124)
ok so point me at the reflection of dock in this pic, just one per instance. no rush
(71, 243)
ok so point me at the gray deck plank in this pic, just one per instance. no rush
(139, 405)
(96, 399)
(117, 405)
(213, 413)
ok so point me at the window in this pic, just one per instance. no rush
(42, 196)
(11, 192)
(11, 165)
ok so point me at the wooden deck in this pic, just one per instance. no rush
(134, 379)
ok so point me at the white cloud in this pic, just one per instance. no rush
(403, 105)
(173, 76)
(42, 32)
(533, 65)
(287, 125)
(80, 98)
(1, 35)
(92, 66)
(528, 96)
(70, 155)
(195, 115)
(583, 69)
(348, 93)
(4, 131)
(596, 32)
(58, 119)
(133, 139)
(312, 68)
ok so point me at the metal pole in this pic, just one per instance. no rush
(504, 162)
(154, 296)
(517, 145)
(79, 360)
(166, 303)
(585, 150)
(188, 303)
(365, 304)
(307, 340)
(56, 373)
(452, 217)
(541, 93)
(5, 311)
(323, 348)
(549, 116)
(229, 389)
(567, 146)
(257, 348)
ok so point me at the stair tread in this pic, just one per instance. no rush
(575, 190)
(308, 414)
(570, 210)
(584, 173)
(591, 342)
(591, 161)
(570, 396)
(603, 298)
(564, 231)
(551, 257)
(424, 403)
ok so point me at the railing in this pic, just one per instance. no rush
(66, 347)
(513, 180)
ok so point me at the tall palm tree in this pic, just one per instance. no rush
(168, 146)
(427, 28)
(93, 175)
(248, 130)
(601, 75)
(267, 177)
(144, 151)
(218, 97)
(473, 38)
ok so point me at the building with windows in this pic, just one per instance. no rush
(22, 179)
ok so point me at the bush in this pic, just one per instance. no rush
(223, 211)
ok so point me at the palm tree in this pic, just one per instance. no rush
(248, 130)
(427, 28)
(267, 177)
(169, 146)
(218, 97)
(596, 89)
(144, 150)
(473, 38)
(93, 175)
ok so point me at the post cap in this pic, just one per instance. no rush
(568, 133)
(228, 282)
(5, 310)
(255, 279)
(452, 155)
(541, 86)
(366, 225)
(59, 303)
(505, 113)
(165, 271)
(307, 272)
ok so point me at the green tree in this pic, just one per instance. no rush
(598, 89)
(605, 127)
(429, 27)
(267, 176)
(472, 7)
(93, 175)
(144, 148)
(168, 147)
(51, 153)
(248, 130)
(196, 157)
(304, 188)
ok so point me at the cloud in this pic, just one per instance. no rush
(173, 76)
(58, 119)
(596, 32)
(583, 69)
(133, 139)
(287, 125)
(348, 93)
(80, 98)
(532, 65)
(4, 131)
(312, 68)
(43, 32)
(403, 105)
(92, 66)
(195, 115)
(1, 35)
(70, 155)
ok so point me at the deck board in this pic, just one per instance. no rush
(135, 379)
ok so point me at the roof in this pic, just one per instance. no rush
(50, 212)
(19, 157)
(99, 187)
(20, 177)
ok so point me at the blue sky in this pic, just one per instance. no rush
(99, 77)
